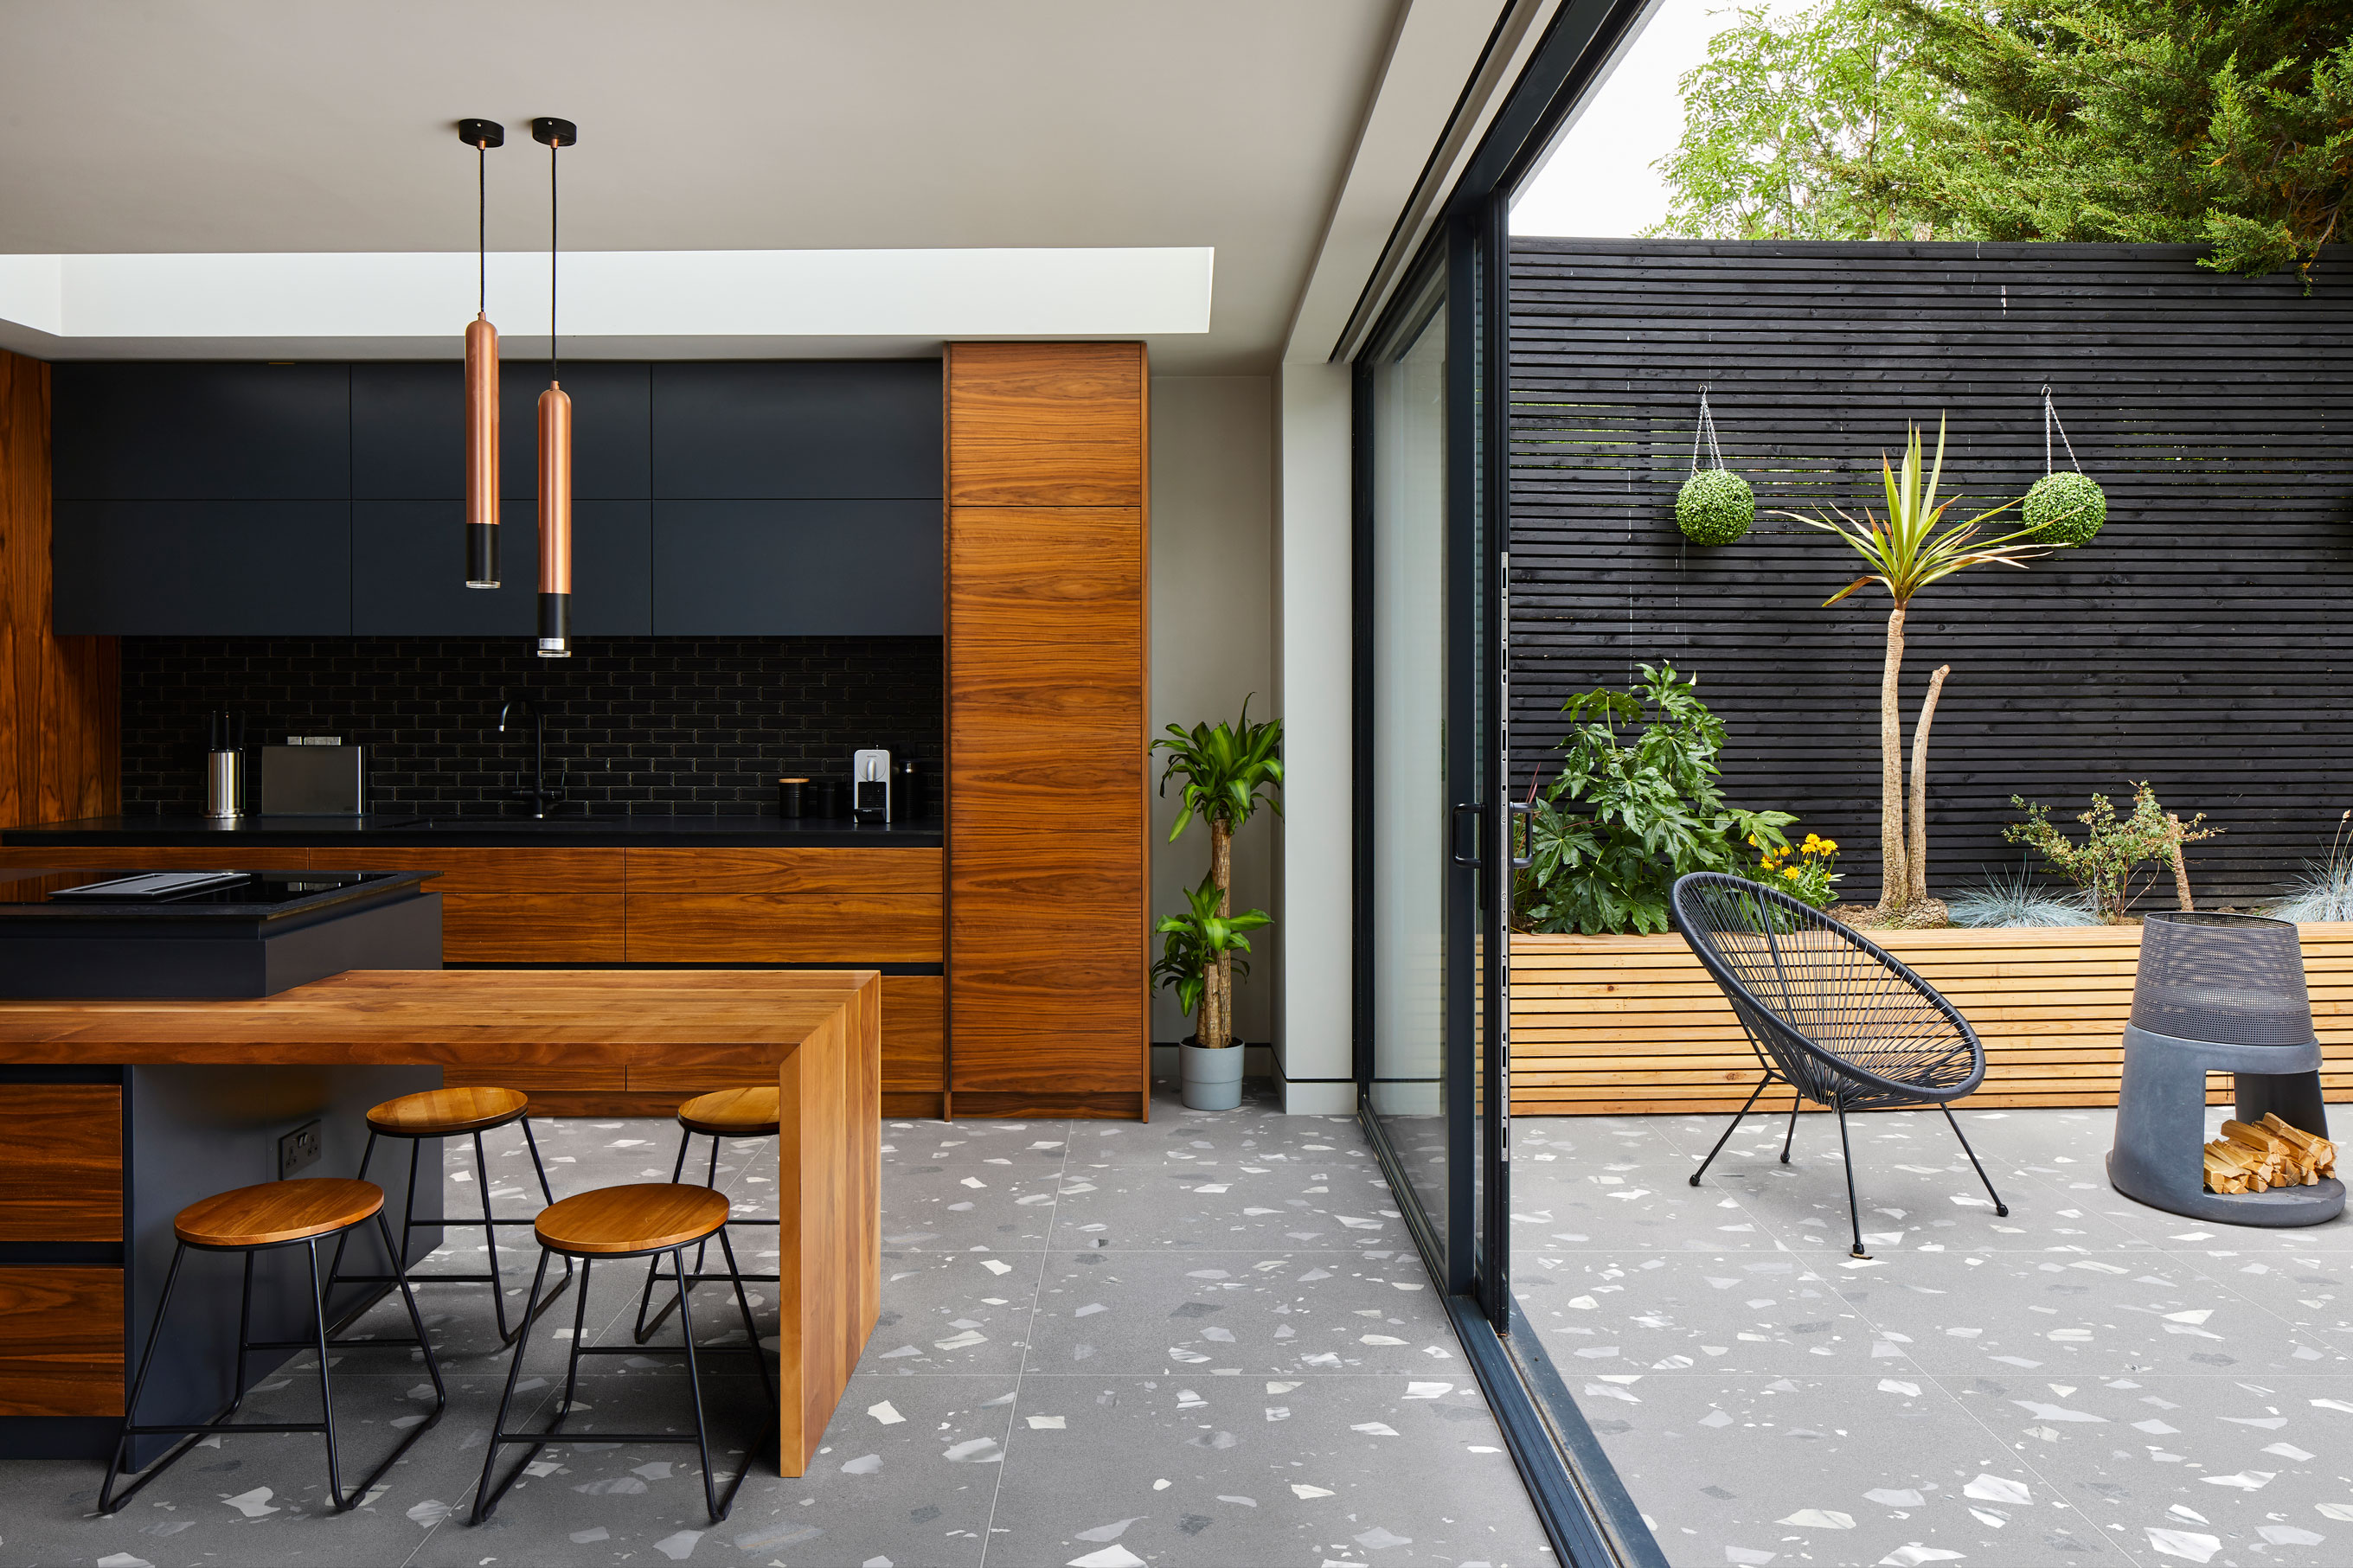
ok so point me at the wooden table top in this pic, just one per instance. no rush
(420, 1017)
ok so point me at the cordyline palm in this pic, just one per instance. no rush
(1224, 766)
(1905, 553)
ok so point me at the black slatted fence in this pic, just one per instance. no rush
(2203, 641)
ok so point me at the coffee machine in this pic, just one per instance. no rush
(869, 786)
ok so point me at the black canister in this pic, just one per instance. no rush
(825, 799)
(791, 797)
(907, 802)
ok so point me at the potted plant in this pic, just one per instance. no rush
(1196, 945)
(1226, 770)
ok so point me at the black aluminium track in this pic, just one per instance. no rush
(2200, 642)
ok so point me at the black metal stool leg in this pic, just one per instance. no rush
(579, 1332)
(1999, 1207)
(1728, 1131)
(485, 1497)
(326, 1392)
(490, 1236)
(107, 1501)
(335, 1269)
(653, 1265)
(750, 1330)
(547, 1192)
(1796, 1100)
(1854, 1212)
(694, 1382)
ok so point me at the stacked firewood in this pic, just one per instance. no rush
(2249, 1158)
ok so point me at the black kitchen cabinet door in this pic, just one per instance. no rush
(166, 431)
(408, 429)
(815, 429)
(409, 571)
(202, 568)
(797, 568)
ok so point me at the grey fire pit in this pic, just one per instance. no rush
(2217, 993)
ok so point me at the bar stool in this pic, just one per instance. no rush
(453, 1113)
(249, 1220)
(724, 1113)
(635, 1221)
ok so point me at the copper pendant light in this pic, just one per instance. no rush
(555, 442)
(481, 378)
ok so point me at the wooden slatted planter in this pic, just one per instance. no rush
(1612, 1025)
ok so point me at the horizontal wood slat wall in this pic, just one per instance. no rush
(2197, 642)
(61, 698)
(1612, 1025)
(1047, 481)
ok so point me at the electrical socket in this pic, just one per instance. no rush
(298, 1150)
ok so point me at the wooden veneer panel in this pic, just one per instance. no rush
(60, 1163)
(758, 870)
(785, 928)
(1046, 424)
(61, 1340)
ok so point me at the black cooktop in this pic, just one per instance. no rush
(149, 888)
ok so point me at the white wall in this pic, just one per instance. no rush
(1212, 640)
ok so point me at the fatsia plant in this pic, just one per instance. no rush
(1228, 771)
(1199, 945)
(1904, 552)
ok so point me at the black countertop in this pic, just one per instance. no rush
(264, 898)
(446, 832)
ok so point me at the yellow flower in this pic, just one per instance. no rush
(1829, 845)
(1752, 841)
(1791, 872)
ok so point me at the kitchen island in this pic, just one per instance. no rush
(816, 1034)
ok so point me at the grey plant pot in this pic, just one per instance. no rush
(1213, 1076)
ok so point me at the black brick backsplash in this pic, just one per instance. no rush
(661, 726)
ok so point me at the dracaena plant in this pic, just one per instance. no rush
(1904, 551)
(1228, 771)
(1198, 944)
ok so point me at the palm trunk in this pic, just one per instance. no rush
(1220, 992)
(1894, 877)
(1916, 861)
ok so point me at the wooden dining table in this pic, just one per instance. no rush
(817, 1034)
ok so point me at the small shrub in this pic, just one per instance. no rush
(2065, 508)
(2102, 866)
(2324, 890)
(1715, 506)
(2009, 898)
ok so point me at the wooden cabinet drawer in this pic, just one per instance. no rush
(60, 1341)
(785, 928)
(915, 1033)
(715, 872)
(530, 869)
(228, 855)
(531, 928)
(61, 1162)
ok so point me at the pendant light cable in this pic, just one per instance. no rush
(553, 361)
(482, 225)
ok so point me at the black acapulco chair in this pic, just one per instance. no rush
(1836, 1017)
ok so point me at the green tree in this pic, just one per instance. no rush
(2229, 122)
(1806, 127)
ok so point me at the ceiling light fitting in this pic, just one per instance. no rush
(481, 377)
(554, 439)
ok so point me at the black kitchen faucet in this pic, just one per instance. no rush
(538, 796)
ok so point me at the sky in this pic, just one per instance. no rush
(1598, 184)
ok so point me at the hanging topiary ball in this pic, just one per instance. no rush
(2065, 508)
(1714, 507)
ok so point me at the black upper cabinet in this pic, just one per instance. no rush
(166, 431)
(408, 429)
(207, 568)
(797, 568)
(409, 571)
(797, 429)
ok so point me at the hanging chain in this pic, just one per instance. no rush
(2050, 423)
(1705, 427)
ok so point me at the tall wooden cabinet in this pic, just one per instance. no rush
(1047, 642)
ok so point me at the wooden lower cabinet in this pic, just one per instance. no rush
(61, 1162)
(61, 1340)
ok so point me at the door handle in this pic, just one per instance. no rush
(1519, 810)
(1473, 861)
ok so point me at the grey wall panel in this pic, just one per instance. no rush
(797, 429)
(203, 568)
(166, 431)
(408, 560)
(408, 430)
(797, 568)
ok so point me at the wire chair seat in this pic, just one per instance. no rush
(1829, 1013)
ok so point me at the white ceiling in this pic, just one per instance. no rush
(176, 126)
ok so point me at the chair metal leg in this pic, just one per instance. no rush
(1796, 1100)
(326, 1392)
(579, 1333)
(694, 1383)
(645, 1329)
(1854, 1212)
(335, 1269)
(107, 1501)
(1999, 1207)
(490, 1236)
(485, 1497)
(750, 1330)
(1728, 1131)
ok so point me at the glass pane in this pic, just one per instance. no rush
(1411, 827)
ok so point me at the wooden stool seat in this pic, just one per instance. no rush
(448, 1112)
(644, 1217)
(278, 1212)
(732, 1112)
